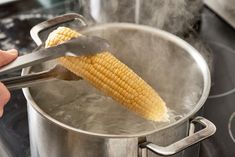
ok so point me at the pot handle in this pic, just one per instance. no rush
(34, 32)
(193, 138)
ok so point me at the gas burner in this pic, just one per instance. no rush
(231, 126)
(224, 59)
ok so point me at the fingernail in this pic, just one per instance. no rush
(1, 112)
(13, 51)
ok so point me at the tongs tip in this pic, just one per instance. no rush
(86, 45)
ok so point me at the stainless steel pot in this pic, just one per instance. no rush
(167, 63)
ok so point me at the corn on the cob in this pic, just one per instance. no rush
(114, 78)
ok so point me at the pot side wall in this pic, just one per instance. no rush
(49, 139)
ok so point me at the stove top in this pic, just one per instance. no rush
(219, 108)
(14, 136)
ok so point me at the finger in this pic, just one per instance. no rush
(4, 97)
(7, 56)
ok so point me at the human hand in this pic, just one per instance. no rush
(5, 58)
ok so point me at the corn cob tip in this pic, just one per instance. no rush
(60, 35)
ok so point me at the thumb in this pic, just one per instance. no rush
(4, 97)
(7, 56)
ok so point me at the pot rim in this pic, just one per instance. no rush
(168, 36)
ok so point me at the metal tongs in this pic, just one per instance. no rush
(80, 46)
(83, 45)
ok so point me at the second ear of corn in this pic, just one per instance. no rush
(114, 78)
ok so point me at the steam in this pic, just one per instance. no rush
(180, 17)
(157, 61)
(170, 15)
(174, 16)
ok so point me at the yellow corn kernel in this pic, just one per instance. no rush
(114, 78)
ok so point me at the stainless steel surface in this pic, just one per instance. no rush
(192, 139)
(224, 8)
(7, 1)
(4, 151)
(79, 46)
(36, 30)
(52, 140)
(58, 72)
(189, 74)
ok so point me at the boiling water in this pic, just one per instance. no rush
(80, 105)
